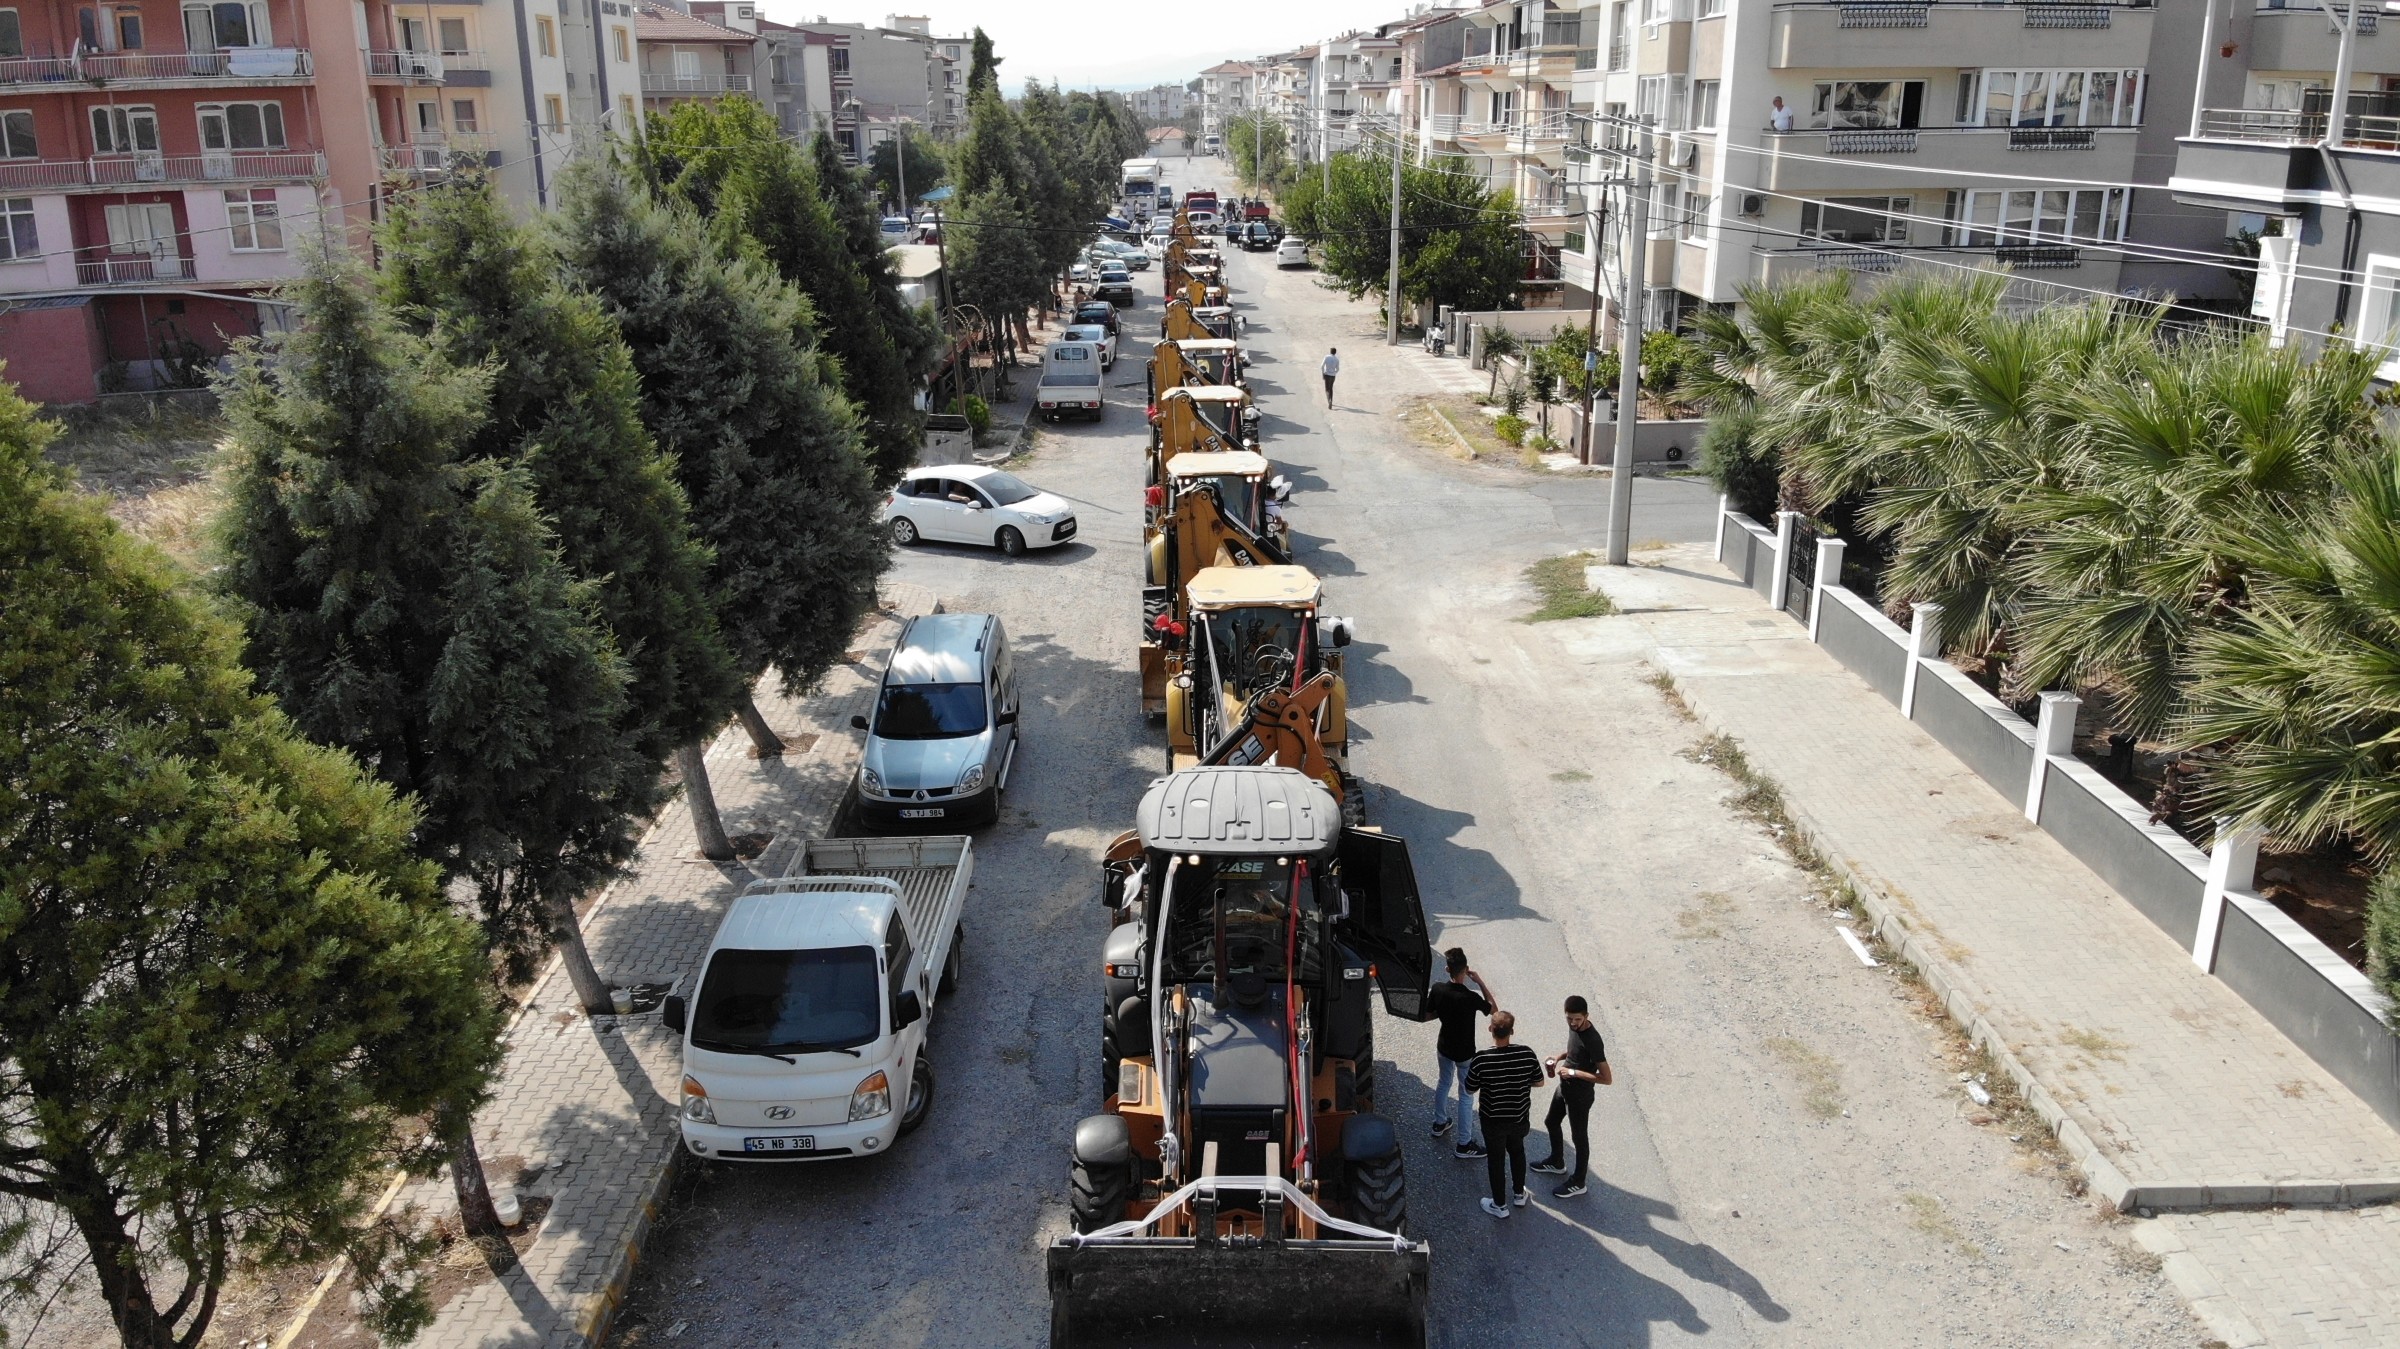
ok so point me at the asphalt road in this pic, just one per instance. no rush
(1559, 832)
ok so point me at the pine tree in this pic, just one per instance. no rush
(566, 405)
(983, 70)
(733, 387)
(403, 601)
(226, 979)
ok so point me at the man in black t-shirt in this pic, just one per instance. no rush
(1456, 1003)
(1582, 1068)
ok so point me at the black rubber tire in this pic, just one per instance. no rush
(919, 1104)
(949, 982)
(904, 531)
(1379, 1194)
(1096, 1196)
(1010, 540)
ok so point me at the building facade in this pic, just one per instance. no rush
(702, 55)
(1159, 104)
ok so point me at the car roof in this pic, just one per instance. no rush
(1075, 328)
(940, 649)
(804, 920)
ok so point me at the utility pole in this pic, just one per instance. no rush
(1391, 292)
(1593, 218)
(1629, 377)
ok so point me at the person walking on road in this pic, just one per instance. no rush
(1456, 1003)
(1579, 1071)
(1502, 1077)
(1331, 366)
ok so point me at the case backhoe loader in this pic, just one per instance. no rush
(1191, 530)
(1240, 1178)
(1255, 677)
(1205, 417)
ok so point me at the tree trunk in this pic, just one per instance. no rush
(566, 932)
(475, 1211)
(763, 740)
(116, 1260)
(691, 760)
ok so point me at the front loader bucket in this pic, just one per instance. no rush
(1250, 1292)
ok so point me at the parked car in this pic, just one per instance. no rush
(895, 228)
(1258, 236)
(944, 730)
(1100, 312)
(970, 503)
(1204, 222)
(1115, 285)
(1099, 337)
(1070, 381)
(1292, 252)
(1132, 255)
(1079, 270)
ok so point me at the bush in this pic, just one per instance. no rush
(1743, 469)
(1512, 398)
(1511, 428)
(979, 416)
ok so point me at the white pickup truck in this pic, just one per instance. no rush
(810, 1014)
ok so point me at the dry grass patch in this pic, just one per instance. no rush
(1819, 1076)
(1927, 1215)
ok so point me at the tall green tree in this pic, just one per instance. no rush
(1459, 243)
(226, 978)
(1260, 149)
(566, 408)
(734, 389)
(988, 157)
(983, 69)
(403, 601)
(888, 401)
(914, 152)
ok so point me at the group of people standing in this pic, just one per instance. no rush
(1500, 1079)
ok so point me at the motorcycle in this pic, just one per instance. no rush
(1435, 341)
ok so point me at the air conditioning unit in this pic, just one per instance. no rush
(1753, 205)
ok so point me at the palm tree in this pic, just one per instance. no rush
(2178, 462)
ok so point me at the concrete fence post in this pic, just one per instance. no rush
(1829, 573)
(2232, 865)
(1724, 517)
(1785, 523)
(2053, 734)
(1924, 643)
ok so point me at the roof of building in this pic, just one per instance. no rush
(1228, 68)
(656, 24)
(915, 262)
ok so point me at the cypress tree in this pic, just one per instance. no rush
(915, 338)
(403, 601)
(765, 444)
(226, 978)
(566, 407)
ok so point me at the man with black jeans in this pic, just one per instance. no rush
(1583, 1067)
(1502, 1078)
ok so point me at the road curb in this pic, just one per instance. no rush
(2211, 1305)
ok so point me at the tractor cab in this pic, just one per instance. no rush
(1238, 478)
(1258, 678)
(1204, 417)
(1217, 360)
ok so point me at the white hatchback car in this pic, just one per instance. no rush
(1292, 252)
(1099, 336)
(969, 503)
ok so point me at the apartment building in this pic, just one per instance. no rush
(1498, 106)
(1227, 90)
(1159, 104)
(2004, 136)
(953, 57)
(687, 57)
(2266, 145)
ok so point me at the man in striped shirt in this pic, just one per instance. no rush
(1503, 1079)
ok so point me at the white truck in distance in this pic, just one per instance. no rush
(805, 1037)
(1137, 180)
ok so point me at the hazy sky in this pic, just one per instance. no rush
(1131, 44)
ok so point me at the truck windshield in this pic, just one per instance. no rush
(929, 711)
(788, 1001)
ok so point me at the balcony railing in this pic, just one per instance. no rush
(132, 270)
(233, 63)
(2364, 18)
(695, 84)
(1884, 257)
(2067, 16)
(1872, 142)
(2286, 126)
(404, 65)
(224, 166)
(1443, 126)
(2038, 255)
(2050, 138)
(1884, 14)
(421, 158)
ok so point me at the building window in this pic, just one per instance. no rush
(1880, 220)
(837, 60)
(625, 108)
(2086, 215)
(554, 112)
(1657, 11)
(545, 35)
(241, 126)
(16, 135)
(1704, 105)
(1574, 241)
(231, 23)
(18, 239)
(622, 43)
(462, 115)
(124, 131)
(1868, 105)
(2379, 317)
(1695, 216)
(453, 34)
(129, 32)
(12, 34)
(142, 228)
(775, 68)
(255, 220)
(1658, 100)
(2028, 98)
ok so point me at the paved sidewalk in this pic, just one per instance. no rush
(585, 1108)
(2166, 1087)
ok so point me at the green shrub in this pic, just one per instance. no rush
(1512, 398)
(979, 416)
(1511, 428)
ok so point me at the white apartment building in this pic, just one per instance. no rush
(1158, 105)
(1227, 90)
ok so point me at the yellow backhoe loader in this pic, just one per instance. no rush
(1240, 1178)
(1255, 676)
(1203, 417)
(1192, 529)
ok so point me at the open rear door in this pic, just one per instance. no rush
(1387, 920)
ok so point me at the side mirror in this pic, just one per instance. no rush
(907, 1009)
(858, 721)
(1008, 718)
(670, 1013)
